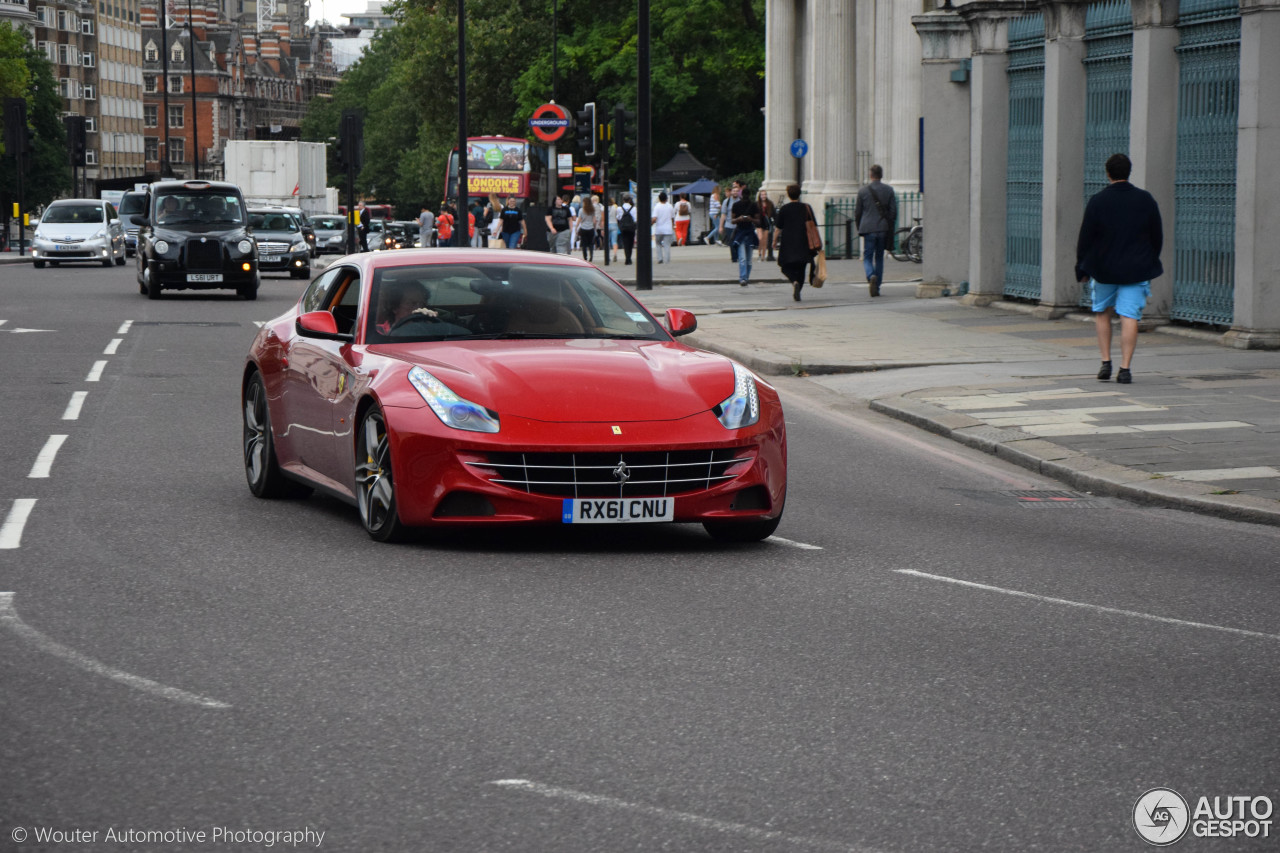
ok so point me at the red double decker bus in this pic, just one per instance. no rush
(500, 165)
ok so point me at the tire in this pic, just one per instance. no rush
(107, 262)
(248, 292)
(153, 289)
(744, 531)
(899, 246)
(915, 245)
(375, 488)
(303, 273)
(261, 469)
(120, 260)
(38, 264)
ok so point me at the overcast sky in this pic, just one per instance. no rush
(333, 10)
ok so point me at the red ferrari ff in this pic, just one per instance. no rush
(472, 387)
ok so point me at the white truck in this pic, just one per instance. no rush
(281, 173)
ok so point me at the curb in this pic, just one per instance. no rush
(1076, 469)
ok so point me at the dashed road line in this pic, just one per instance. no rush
(113, 346)
(96, 372)
(124, 327)
(73, 408)
(11, 529)
(1094, 607)
(9, 618)
(792, 544)
(752, 832)
(44, 459)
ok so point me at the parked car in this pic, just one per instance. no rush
(331, 233)
(481, 387)
(133, 207)
(282, 246)
(195, 237)
(78, 229)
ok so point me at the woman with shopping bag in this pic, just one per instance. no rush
(793, 236)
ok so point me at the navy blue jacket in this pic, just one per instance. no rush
(1120, 237)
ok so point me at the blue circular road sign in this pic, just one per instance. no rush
(799, 148)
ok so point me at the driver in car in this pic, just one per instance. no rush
(400, 299)
(168, 210)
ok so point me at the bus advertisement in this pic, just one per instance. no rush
(500, 165)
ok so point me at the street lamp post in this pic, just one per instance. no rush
(195, 116)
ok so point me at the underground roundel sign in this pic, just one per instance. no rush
(549, 122)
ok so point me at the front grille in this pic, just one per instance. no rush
(613, 475)
(272, 247)
(204, 256)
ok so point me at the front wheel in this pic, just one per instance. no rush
(899, 248)
(261, 469)
(375, 487)
(745, 531)
(915, 245)
(38, 264)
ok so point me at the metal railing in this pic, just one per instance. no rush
(840, 239)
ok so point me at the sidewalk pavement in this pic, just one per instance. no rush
(1198, 429)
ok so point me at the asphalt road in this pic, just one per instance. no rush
(179, 657)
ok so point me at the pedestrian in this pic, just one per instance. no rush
(513, 226)
(476, 212)
(745, 217)
(575, 218)
(791, 240)
(713, 217)
(875, 214)
(444, 225)
(681, 221)
(663, 222)
(363, 219)
(426, 223)
(725, 224)
(558, 223)
(587, 228)
(611, 223)
(766, 219)
(627, 226)
(1119, 249)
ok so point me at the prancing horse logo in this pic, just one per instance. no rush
(622, 473)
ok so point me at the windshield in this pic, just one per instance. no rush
(187, 207)
(133, 203)
(272, 222)
(328, 223)
(72, 214)
(500, 302)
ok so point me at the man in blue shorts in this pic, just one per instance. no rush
(1119, 248)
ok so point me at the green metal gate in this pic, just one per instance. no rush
(1108, 68)
(1204, 189)
(1025, 183)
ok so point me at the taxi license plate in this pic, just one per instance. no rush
(204, 276)
(269, 259)
(618, 510)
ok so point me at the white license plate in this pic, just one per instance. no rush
(618, 510)
(204, 276)
(269, 259)
(61, 248)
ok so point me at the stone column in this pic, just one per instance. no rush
(1153, 129)
(834, 82)
(1257, 288)
(989, 149)
(944, 101)
(903, 168)
(781, 116)
(1064, 111)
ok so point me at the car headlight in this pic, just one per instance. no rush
(298, 246)
(245, 247)
(162, 247)
(742, 407)
(451, 409)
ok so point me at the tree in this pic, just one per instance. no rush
(26, 73)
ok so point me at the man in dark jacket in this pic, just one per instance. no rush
(875, 214)
(1119, 248)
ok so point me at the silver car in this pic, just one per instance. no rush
(78, 229)
(331, 233)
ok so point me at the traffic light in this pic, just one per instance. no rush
(351, 144)
(624, 129)
(16, 133)
(77, 139)
(587, 130)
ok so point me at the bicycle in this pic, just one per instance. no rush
(908, 243)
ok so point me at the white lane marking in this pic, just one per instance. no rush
(1212, 475)
(113, 346)
(11, 530)
(2, 322)
(9, 618)
(73, 408)
(124, 327)
(791, 544)
(260, 323)
(44, 459)
(751, 832)
(96, 372)
(1094, 607)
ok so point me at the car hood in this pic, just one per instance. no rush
(261, 234)
(78, 230)
(577, 380)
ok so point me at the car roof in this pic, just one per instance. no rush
(217, 186)
(62, 201)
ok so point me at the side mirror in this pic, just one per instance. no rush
(143, 221)
(681, 322)
(320, 324)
